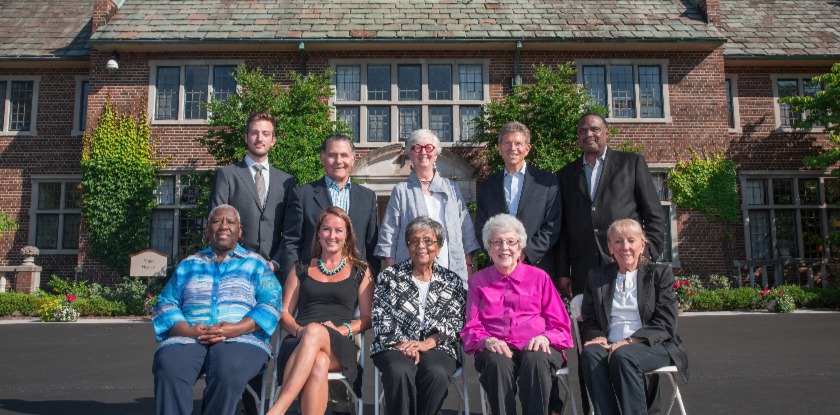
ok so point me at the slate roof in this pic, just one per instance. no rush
(260, 21)
(781, 28)
(45, 29)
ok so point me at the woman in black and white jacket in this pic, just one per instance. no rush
(418, 312)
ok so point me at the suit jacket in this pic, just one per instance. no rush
(306, 204)
(625, 190)
(657, 308)
(539, 211)
(261, 226)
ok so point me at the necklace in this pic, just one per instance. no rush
(330, 272)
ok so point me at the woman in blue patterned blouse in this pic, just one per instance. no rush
(418, 313)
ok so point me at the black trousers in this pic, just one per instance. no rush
(227, 365)
(528, 372)
(619, 381)
(415, 389)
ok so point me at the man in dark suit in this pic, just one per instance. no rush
(258, 191)
(603, 186)
(524, 191)
(308, 201)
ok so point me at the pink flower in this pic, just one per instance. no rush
(781, 292)
(676, 285)
(149, 295)
(763, 293)
(71, 297)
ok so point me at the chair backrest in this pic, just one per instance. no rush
(574, 314)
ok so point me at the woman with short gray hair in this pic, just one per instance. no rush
(426, 193)
(516, 324)
(417, 315)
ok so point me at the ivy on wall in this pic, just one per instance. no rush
(7, 224)
(119, 174)
(707, 183)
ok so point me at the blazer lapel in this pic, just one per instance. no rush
(247, 180)
(644, 284)
(322, 196)
(524, 192)
(357, 212)
(499, 188)
(579, 173)
(607, 289)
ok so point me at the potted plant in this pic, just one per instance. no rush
(776, 301)
(29, 253)
(684, 291)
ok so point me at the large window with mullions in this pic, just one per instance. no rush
(630, 90)
(789, 214)
(179, 90)
(383, 102)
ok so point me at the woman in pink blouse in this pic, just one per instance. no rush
(516, 324)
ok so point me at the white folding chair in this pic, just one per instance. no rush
(663, 372)
(459, 380)
(358, 404)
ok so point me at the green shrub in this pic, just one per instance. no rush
(744, 298)
(62, 287)
(824, 298)
(801, 298)
(100, 307)
(132, 293)
(707, 300)
(719, 282)
(12, 301)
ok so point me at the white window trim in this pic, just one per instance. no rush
(780, 174)
(424, 103)
(153, 67)
(7, 108)
(736, 109)
(777, 109)
(672, 216)
(79, 129)
(35, 179)
(663, 74)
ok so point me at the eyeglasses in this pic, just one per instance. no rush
(584, 130)
(498, 243)
(418, 148)
(426, 242)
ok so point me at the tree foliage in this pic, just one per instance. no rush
(550, 107)
(303, 120)
(707, 184)
(822, 110)
(119, 174)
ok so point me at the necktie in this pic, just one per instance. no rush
(259, 180)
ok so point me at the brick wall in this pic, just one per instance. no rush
(697, 107)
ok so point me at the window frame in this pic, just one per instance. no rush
(34, 211)
(177, 208)
(77, 107)
(663, 78)
(394, 103)
(777, 109)
(182, 64)
(736, 109)
(6, 107)
(665, 168)
(798, 250)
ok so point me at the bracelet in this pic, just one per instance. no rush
(469, 264)
(349, 329)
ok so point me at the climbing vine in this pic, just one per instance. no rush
(119, 174)
(707, 183)
(6, 223)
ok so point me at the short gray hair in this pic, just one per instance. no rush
(337, 138)
(422, 135)
(501, 223)
(224, 206)
(425, 223)
(515, 127)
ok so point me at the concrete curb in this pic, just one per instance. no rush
(134, 320)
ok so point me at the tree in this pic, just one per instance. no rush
(119, 174)
(303, 120)
(550, 107)
(822, 110)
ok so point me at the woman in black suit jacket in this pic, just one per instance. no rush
(630, 324)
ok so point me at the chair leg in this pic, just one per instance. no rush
(376, 396)
(675, 395)
(466, 392)
(570, 395)
(483, 400)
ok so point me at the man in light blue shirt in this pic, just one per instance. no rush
(215, 316)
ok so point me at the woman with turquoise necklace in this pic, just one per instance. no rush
(319, 300)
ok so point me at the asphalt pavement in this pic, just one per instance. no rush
(740, 363)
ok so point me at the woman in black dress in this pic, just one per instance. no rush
(324, 292)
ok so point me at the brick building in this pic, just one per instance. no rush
(675, 75)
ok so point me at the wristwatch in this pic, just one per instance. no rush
(629, 340)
